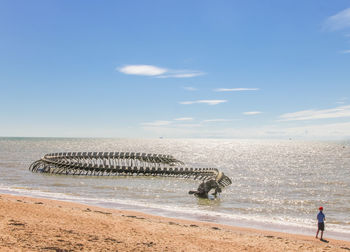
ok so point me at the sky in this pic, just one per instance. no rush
(175, 69)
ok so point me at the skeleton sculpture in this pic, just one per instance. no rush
(129, 163)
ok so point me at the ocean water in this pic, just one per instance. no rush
(277, 185)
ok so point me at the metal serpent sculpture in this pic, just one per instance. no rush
(123, 163)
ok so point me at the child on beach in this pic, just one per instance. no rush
(320, 218)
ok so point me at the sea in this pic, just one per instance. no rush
(277, 185)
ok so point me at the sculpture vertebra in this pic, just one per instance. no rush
(122, 163)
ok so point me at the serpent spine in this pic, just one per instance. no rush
(122, 164)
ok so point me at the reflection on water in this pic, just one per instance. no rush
(274, 181)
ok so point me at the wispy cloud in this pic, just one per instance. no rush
(339, 21)
(180, 74)
(190, 88)
(342, 100)
(184, 119)
(235, 89)
(183, 122)
(318, 131)
(338, 112)
(202, 130)
(188, 125)
(158, 72)
(345, 51)
(209, 102)
(156, 123)
(217, 120)
(252, 113)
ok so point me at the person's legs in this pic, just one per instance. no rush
(320, 228)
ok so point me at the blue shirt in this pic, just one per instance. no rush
(320, 217)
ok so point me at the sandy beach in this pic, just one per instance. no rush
(31, 224)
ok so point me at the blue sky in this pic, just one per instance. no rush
(184, 69)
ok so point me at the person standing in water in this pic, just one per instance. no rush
(320, 218)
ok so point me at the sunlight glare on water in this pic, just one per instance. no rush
(276, 184)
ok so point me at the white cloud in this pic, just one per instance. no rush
(147, 70)
(235, 89)
(339, 21)
(156, 123)
(341, 111)
(252, 113)
(190, 88)
(158, 72)
(184, 119)
(209, 102)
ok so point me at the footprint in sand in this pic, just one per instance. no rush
(135, 217)
(113, 240)
(102, 212)
(53, 248)
(16, 223)
(148, 244)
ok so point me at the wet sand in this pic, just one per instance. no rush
(31, 224)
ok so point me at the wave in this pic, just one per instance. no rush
(281, 224)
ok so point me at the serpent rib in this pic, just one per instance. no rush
(122, 163)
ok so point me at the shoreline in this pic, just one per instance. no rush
(238, 221)
(38, 224)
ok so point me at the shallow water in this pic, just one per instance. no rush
(277, 185)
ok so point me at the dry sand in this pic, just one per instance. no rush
(30, 224)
